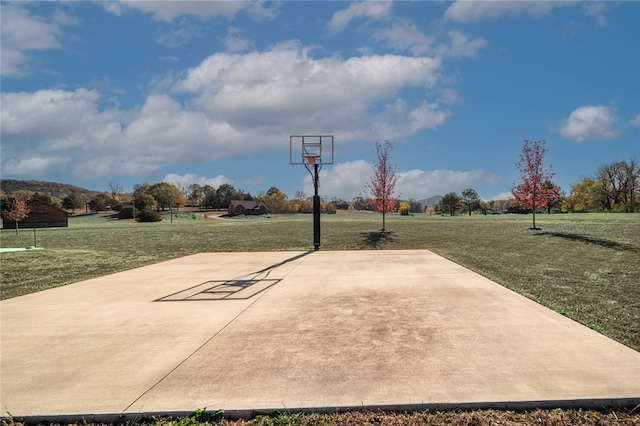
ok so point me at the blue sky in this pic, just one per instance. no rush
(142, 91)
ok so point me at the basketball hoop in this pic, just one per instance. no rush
(312, 151)
(311, 159)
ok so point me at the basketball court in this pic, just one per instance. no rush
(319, 330)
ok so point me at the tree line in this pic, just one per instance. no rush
(612, 187)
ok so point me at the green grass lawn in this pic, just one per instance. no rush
(584, 266)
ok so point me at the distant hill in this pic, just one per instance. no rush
(431, 200)
(54, 189)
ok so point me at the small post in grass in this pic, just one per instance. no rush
(313, 151)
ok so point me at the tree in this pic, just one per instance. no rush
(142, 198)
(553, 194)
(275, 200)
(42, 196)
(531, 193)
(485, 206)
(383, 181)
(585, 195)
(99, 202)
(273, 190)
(116, 189)
(359, 203)
(619, 185)
(404, 208)
(470, 199)
(500, 206)
(211, 199)
(72, 202)
(449, 203)
(17, 210)
(226, 193)
(195, 195)
(416, 206)
(167, 195)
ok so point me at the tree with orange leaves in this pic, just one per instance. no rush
(16, 210)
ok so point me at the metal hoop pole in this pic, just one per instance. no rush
(316, 209)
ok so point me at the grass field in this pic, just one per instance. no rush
(584, 266)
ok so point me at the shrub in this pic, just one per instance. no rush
(149, 216)
(126, 212)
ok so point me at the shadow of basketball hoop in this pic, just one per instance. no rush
(241, 288)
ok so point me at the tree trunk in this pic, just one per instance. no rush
(534, 218)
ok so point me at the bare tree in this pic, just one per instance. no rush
(115, 189)
(619, 184)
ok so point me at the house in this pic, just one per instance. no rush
(41, 215)
(237, 207)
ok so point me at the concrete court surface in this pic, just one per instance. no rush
(296, 330)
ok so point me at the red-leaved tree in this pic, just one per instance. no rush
(383, 181)
(533, 191)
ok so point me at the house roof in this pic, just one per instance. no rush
(50, 206)
(246, 204)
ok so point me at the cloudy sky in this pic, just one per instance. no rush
(144, 91)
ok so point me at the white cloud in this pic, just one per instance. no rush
(590, 123)
(365, 9)
(449, 96)
(230, 105)
(169, 10)
(235, 42)
(635, 121)
(403, 34)
(476, 10)
(23, 32)
(62, 18)
(347, 180)
(50, 114)
(182, 181)
(398, 120)
(461, 45)
(597, 11)
(35, 165)
(501, 196)
(344, 180)
(424, 183)
(112, 7)
(284, 90)
(179, 36)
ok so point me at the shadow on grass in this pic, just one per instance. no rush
(375, 239)
(592, 240)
